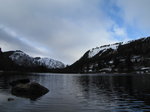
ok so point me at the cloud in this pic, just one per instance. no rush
(11, 39)
(60, 29)
(136, 13)
(120, 33)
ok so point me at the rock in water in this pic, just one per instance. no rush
(29, 90)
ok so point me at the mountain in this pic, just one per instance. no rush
(23, 59)
(123, 57)
(19, 60)
(131, 56)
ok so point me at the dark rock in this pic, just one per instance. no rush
(29, 90)
(10, 99)
(21, 81)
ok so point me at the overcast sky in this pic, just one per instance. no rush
(66, 29)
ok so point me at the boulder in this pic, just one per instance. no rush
(29, 90)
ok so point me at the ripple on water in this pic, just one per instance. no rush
(81, 93)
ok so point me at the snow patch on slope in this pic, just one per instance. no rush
(50, 63)
(102, 49)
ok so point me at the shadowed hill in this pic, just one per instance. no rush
(132, 56)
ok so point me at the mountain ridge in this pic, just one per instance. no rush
(122, 57)
(18, 60)
(130, 56)
(21, 58)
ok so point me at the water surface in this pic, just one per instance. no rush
(80, 93)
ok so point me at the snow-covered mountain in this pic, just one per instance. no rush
(23, 59)
(102, 49)
(130, 56)
(50, 63)
(99, 50)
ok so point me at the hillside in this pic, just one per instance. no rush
(131, 56)
(20, 61)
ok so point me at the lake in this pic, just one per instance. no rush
(79, 93)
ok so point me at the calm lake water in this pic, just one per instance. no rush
(80, 93)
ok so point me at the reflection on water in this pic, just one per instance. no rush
(80, 93)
